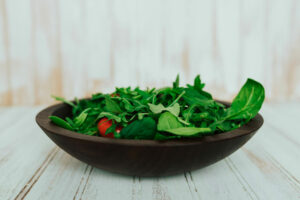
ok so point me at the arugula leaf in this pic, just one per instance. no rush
(112, 106)
(141, 115)
(197, 83)
(79, 120)
(157, 109)
(193, 97)
(60, 122)
(176, 83)
(109, 116)
(248, 101)
(63, 100)
(140, 129)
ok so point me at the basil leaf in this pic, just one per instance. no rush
(168, 121)
(188, 131)
(60, 122)
(140, 129)
(248, 101)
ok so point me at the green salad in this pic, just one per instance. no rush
(160, 114)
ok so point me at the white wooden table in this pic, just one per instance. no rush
(267, 167)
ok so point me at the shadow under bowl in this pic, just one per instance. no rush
(145, 157)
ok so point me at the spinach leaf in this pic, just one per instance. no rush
(140, 129)
(168, 121)
(159, 136)
(188, 131)
(248, 101)
(60, 122)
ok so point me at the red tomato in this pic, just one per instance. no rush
(114, 95)
(104, 124)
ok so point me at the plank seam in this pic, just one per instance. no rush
(37, 174)
(246, 186)
(81, 181)
(86, 182)
(193, 182)
(281, 133)
(295, 183)
(189, 186)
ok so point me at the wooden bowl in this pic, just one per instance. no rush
(145, 157)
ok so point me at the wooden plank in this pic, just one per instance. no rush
(19, 20)
(285, 120)
(268, 171)
(98, 60)
(46, 48)
(5, 76)
(63, 179)
(73, 45)
(221, 182)
(165, 188)
(106, 185)
(228, 39)
(23, 152)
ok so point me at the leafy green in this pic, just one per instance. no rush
(168, 121)
(162, 114)
(157, 109)
(248, 101)
(111, 105)
(188, 131)
(60, 122)
(63, 100)
(140, 129)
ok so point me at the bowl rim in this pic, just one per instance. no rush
(42, 119)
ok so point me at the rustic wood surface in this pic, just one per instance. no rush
(76, 47)
(267, 167)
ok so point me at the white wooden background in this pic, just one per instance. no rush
(77, 47)
(266, 168)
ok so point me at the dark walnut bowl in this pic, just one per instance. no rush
(145, 157)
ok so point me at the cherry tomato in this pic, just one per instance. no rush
(104, 124)
(114, 95)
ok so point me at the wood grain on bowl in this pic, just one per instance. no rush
(145, 157)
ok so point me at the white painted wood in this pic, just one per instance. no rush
(61, 180)
(75, 48)
(267, 167)
(23, 149)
